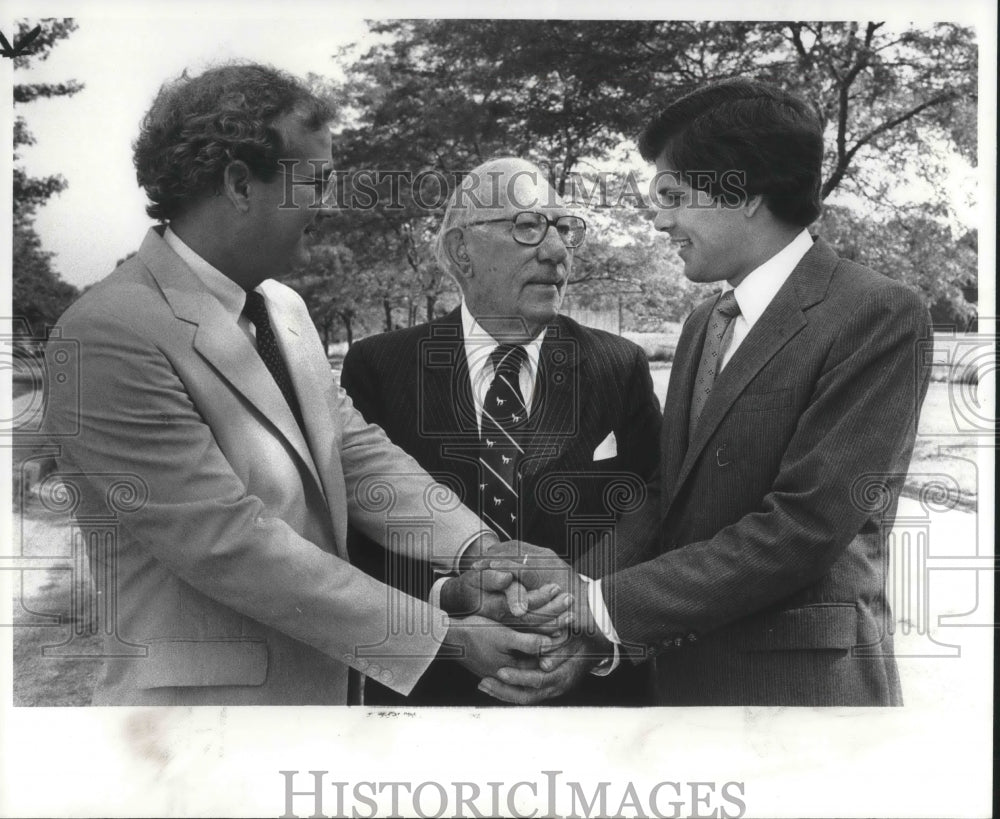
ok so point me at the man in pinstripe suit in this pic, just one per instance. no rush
(788, 427)
(586, 442)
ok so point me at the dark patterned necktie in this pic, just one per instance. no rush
(503, 412)
(267, 346)
(717, 338)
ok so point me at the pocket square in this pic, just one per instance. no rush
(608, 448)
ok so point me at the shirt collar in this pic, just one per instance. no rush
(479, 343)
(229, 293)
(759, 288)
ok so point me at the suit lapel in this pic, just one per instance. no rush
(443, 390)
(677, 407)
(302, 368)
(555, 406)
(782, 320)
(221, 342)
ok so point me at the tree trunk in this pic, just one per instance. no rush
(388, 314)
(431, 301)
(348, 328)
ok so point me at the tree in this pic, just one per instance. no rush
(886, 94)
(444, 95)
(332, 288)
(39, 293)
(916, 248)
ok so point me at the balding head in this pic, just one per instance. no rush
(497, 188)
(513, 276)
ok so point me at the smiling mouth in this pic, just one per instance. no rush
(680, 244)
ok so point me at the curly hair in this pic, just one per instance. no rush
(774, 139)
(197, 126)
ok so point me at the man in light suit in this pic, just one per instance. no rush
(788, 427)
(204, 387)
(591, 419)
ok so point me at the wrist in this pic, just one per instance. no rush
(477, 548)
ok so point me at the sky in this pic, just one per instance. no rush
(123, 60)
(87, 138)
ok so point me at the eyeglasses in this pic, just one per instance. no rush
(324, 190)
(530, 228)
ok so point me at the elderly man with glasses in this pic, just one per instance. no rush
(546, 428)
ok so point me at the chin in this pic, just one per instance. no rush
(701, 276)
(542, 316)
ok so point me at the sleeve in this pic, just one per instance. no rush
(861, 419)
(198, 519)
(360, 380)
(357, 378)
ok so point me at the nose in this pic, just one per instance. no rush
(664, 219)
(324, 209)
(552, 248)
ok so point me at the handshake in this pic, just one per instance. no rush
(521, 621)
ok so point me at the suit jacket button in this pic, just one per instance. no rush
(386, 676)
(692, 637)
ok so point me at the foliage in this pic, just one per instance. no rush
(914, 247)
(39, 293)
(444, 95)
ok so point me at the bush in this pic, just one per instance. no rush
(660, 353)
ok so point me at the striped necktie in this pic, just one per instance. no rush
(503, 411)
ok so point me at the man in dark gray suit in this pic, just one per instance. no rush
(583, 428)
(788, 427)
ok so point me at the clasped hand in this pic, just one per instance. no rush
(534, 594)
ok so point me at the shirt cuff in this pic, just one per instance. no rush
(465, 546)
(599, 610)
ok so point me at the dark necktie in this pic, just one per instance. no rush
(503, 411)
(267, 346)
(717, 338)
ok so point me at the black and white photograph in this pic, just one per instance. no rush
(527, 410)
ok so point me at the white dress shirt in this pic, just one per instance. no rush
(759, 288)
(229, 293)
(753, 295)
(479, 344)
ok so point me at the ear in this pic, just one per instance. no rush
(236, 185)
(457, 252)
(753, 204)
